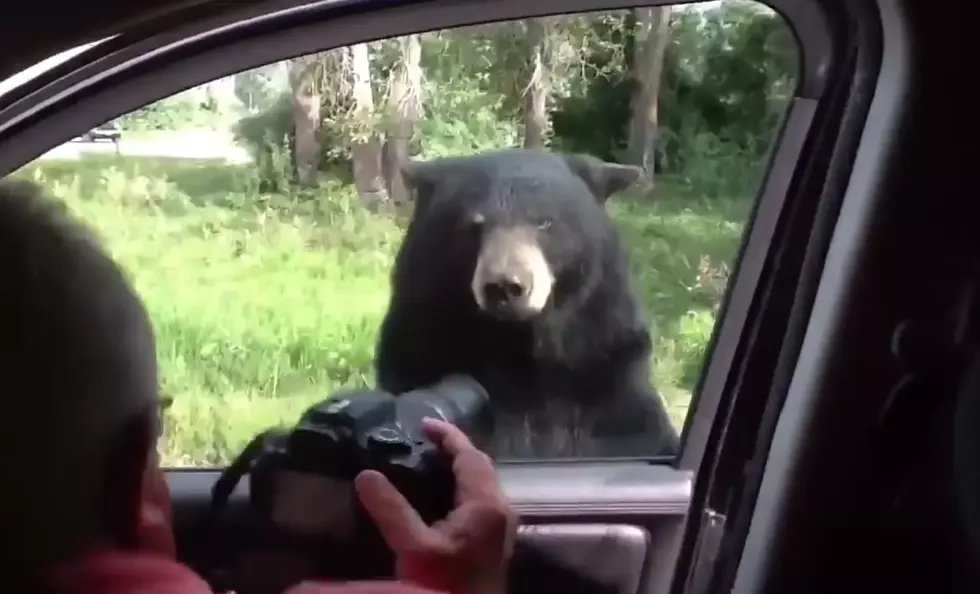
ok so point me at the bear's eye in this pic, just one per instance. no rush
(474, 223)
(544, 225)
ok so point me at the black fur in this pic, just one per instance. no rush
(575, 380)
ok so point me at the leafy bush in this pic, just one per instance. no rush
(269, 136)
(174, 113)
(596, 123)
(694, 331)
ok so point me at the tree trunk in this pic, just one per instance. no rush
(365, 144)
(306, 119)
(404, 110)
(536, 92)
(653, 35)
(630, 42)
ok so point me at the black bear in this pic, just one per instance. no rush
(512, 272)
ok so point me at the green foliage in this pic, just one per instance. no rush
(694, 331)
(269, 135)
(468, 119)
(259, 89)
(727, 76)
(174, 113)
(264, 302)
(596, 122)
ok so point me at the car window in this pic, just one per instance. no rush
(262, 216)
(28, 74)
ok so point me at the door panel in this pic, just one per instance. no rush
(611, 531)
(614, 555)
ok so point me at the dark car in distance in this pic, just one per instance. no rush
(106, 132)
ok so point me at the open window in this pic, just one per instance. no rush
(255, 195)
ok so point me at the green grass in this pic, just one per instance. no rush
(152, 136)
(263, 304)
(145, 135)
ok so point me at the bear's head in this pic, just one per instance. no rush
(522, 231)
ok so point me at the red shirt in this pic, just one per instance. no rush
(154, 569)
(137, 572)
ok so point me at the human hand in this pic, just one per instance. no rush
(469, 551)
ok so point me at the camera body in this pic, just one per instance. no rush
(301, 481)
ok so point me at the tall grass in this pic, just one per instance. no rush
(264, 303)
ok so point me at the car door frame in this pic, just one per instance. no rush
(126, 73)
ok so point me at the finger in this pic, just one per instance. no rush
(447, 436)
(399, 524)
(476, 477)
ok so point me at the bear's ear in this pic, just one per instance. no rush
(415, 174)
(604, 179)
(420, 177)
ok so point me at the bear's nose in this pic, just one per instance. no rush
(503, 290)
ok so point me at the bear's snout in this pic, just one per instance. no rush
(513, 279)
(504, 288)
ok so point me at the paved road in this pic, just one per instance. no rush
(186, 145)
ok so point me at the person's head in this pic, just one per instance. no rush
(79, 386)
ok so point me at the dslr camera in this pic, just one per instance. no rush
(301, 479)
(307, 520)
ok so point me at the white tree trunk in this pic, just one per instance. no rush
(538, 85)
(653, 35)
(306, 119)
(404, 110)
(365, 144)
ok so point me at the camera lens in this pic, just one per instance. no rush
(457, 399)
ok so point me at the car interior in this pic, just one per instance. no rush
(830, 441)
